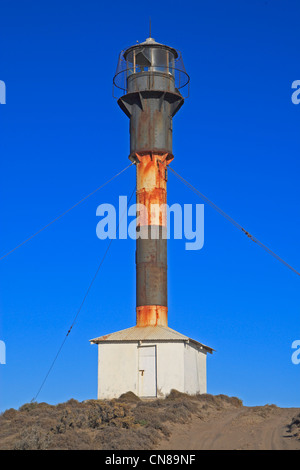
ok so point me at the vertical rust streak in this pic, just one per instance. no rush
(151, 260)
(152, 315)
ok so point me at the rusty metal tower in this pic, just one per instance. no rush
(150, 359)
(150, 77)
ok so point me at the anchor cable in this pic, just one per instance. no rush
(64, 213)
(81, 305)
(232, 221)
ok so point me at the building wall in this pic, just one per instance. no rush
(117, 369)
(194, 369)
(170, 367)
(179, 366)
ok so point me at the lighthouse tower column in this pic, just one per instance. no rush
(150, 359)
(151, 100)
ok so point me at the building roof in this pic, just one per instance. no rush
(148, 333)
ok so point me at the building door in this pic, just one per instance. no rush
(147, 371)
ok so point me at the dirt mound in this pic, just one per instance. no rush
(124, 423)
(175, 394)
(130, 423)
(128, 397)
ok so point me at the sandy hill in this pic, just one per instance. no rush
(178, 422)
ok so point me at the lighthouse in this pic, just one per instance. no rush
(150, 358)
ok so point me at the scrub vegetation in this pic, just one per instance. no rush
(126, 423)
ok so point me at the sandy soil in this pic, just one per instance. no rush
(246, 428)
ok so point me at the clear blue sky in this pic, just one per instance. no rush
(237, 139)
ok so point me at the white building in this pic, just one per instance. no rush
(150, 361)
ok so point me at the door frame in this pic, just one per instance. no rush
(140, 346)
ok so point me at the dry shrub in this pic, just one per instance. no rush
(113, 414)
(125, 439)
(265, 411)
(93, 414)
(69, 420)
(218, 401)
(147, 416)
(175, 395)
(294, 426)
(33, 438)
(28, 406)
(205, 398)
(155, 414)
(9, 414)
(128, 397)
